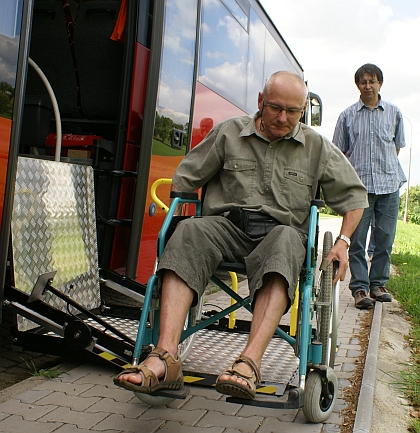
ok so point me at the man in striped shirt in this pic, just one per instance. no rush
(371, 133)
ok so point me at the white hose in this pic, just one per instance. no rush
(55, 108)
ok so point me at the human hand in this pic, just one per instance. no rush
(338, 253)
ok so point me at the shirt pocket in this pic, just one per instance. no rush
(297, 191)
(238, 178)
(387, 132)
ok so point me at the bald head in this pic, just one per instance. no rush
(283, 81)
(281, 105)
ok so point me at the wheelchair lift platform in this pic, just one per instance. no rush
(66, 306)
(215, 350)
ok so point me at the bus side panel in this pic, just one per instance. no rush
(5, 130)
(141, 67)
(131, 157)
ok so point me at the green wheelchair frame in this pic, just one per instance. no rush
(315, 346)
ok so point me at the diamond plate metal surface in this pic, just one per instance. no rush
(127, 326)
(213, 351)
(54, 228)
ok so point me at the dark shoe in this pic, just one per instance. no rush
(362, 301)
(380, 294)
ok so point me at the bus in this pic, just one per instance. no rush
(99, 99)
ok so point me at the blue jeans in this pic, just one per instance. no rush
(371, 247)
(384, 208)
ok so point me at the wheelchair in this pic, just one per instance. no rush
(311, 336)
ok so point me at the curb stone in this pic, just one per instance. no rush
(364, 412)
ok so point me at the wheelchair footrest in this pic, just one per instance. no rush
(294, 400)
(214, 351)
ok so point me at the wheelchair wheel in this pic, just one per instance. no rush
(321, 392)
(327, 308)
(184, 348)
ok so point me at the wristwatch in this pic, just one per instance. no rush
(344, 238)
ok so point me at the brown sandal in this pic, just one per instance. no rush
(236, 389)
(173, 379)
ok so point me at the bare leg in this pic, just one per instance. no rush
(269, 306)
(175, 303)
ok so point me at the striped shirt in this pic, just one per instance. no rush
(369, 139)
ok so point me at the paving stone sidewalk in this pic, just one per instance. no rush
(84, 399)
(17, 366)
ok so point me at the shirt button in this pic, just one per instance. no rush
(236, 165)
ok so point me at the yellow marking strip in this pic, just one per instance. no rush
(267, 390)
(192, 379)
(107, 356)
(112, 358)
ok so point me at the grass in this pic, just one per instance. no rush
(165, 149)
(405, 285)
(50, 373)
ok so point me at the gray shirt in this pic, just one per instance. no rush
(279, 178)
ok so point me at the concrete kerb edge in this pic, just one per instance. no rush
(364, 412)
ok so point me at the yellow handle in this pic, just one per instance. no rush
(153, 188)
(232, 315)
(294, 313)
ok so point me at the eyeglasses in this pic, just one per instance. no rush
(365, 83)
(290, 112)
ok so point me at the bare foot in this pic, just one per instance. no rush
(243, 368)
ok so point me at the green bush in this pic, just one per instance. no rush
(413, 208)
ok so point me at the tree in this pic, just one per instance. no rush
(413, 205)
(7, 93)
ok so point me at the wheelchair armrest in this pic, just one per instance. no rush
(171, 219)
(318, 203)
(184, 195)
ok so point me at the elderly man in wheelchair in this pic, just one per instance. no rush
(261, 174)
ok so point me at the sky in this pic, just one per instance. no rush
(331, 39)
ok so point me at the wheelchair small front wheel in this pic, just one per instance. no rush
(153, 400)
(321, 392)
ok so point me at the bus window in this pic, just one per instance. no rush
(240, 12)
(176, 79)
(256, 56)
(275, 58)
(223, 53)
(11, 17)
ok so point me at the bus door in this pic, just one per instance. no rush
(13, 40)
